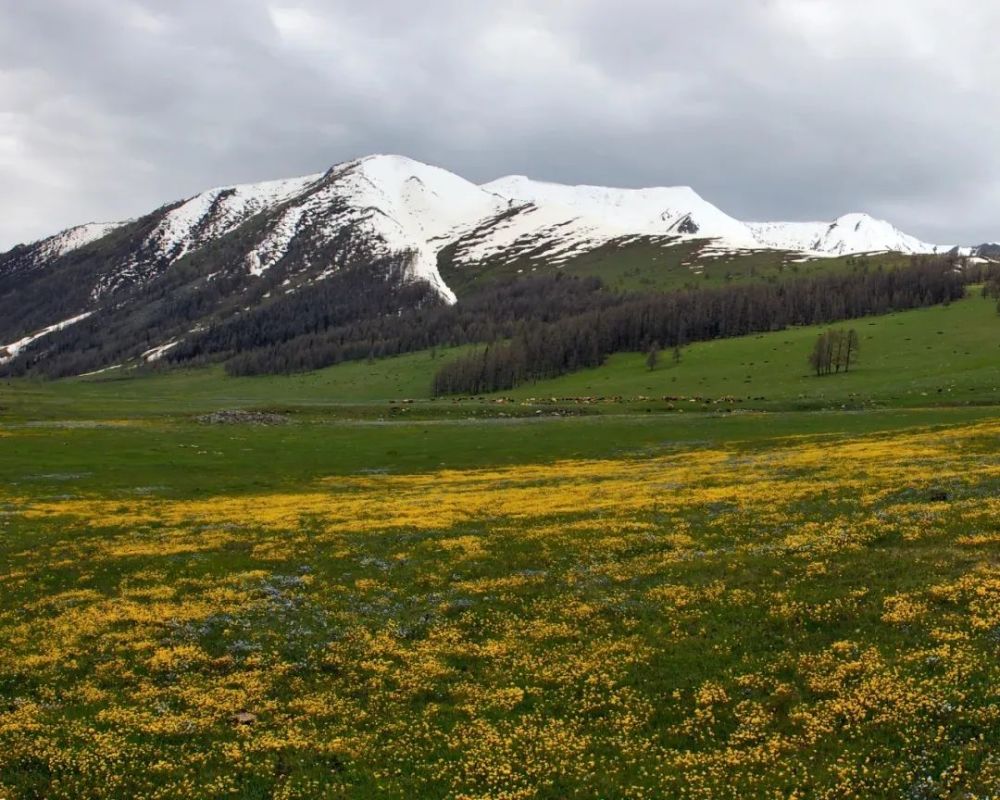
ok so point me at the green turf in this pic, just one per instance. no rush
(208, 388)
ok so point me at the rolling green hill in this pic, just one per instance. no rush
(934, 356)
(943, 354)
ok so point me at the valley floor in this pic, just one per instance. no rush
(477, 600)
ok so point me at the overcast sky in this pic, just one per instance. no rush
(771, 109)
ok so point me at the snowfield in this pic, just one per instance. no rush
(851, 233)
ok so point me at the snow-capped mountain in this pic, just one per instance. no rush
(569, 220)
(851, 233)
(229, 248)
(402, 204)
(399, 203)
(563, 221)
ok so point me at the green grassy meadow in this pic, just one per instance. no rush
(643, 265)
(943, 354)
(795, 595)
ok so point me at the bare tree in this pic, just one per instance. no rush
(834, 350)
(852, 345)
(819, 358)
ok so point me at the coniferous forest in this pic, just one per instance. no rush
(527, 328)
(538, 351)
(541, 327)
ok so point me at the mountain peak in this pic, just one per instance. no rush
(610, 211)
(403, 204)
(858, 218)
(380, 217)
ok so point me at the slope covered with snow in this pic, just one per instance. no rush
(214, 213)
(399, 203)
(851, 233)
(563, 220)
(73, 238)
(654, 211)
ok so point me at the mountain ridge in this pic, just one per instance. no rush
(666, 204)
(233, 247)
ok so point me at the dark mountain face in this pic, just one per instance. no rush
(136, 313)
(990, 250)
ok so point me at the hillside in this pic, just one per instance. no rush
(945, 355)
(367, 238)
(940, 356)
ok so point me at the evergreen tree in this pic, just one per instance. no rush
(653, 356)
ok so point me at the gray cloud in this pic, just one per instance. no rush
(780, 109)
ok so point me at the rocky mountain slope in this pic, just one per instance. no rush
(383, 220)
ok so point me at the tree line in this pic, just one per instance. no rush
(299, 332)
(538, 351)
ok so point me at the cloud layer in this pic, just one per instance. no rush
(773, 109)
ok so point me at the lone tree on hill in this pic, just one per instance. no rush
(834, 350)
(653, 356)
(677, 354)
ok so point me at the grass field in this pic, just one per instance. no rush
(357, 604)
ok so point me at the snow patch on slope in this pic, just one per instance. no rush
(74, 238)
(156, 353)
(275, 244)
(10, 351)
